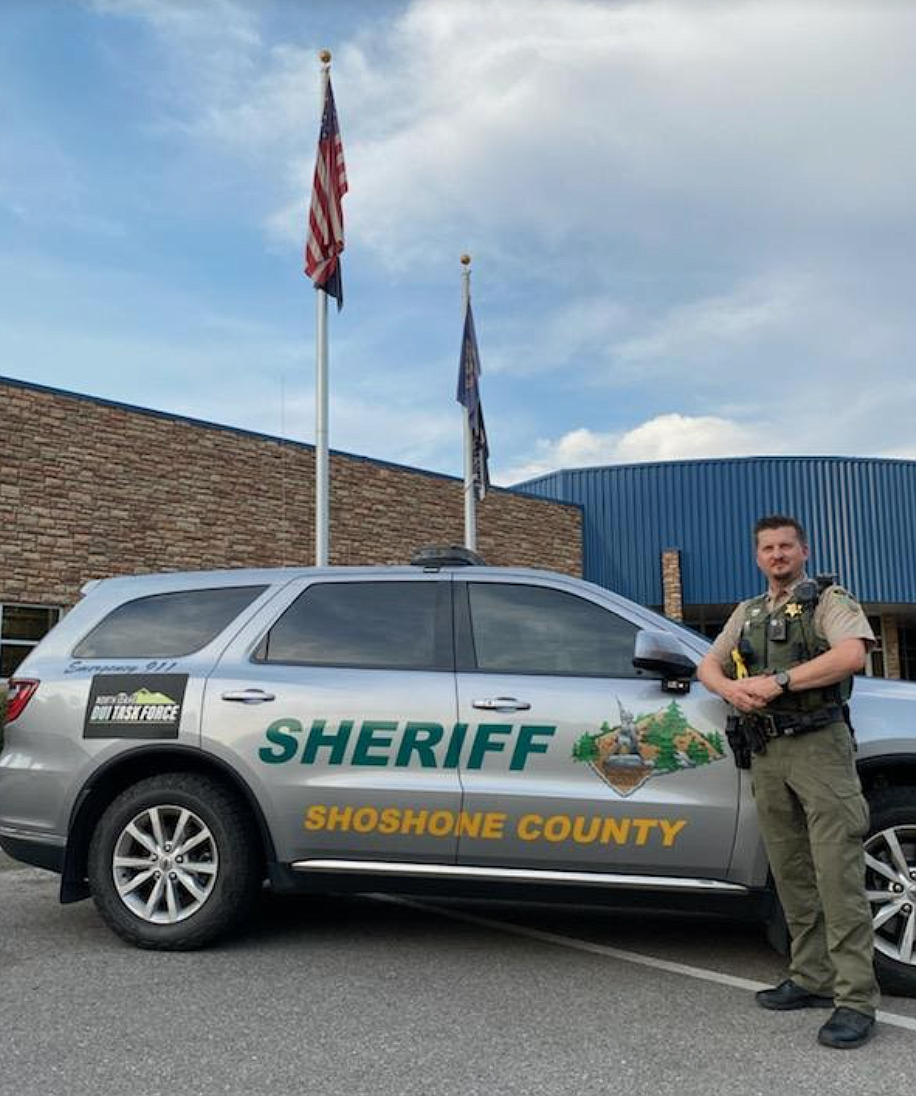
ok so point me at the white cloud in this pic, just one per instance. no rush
(671, 436)
(705, 335)
(711, 342)
(903, 452)
(681, 437)
(630, 121)
(720, 321)
(641, 121)
(691, 204)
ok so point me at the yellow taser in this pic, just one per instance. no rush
(740, 665)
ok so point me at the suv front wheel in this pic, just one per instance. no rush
(890, 885)
(174, 862)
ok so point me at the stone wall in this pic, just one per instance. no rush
(890, 646)
(672, 590)
(90, 489)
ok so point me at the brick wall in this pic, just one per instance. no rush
(88, 489)
(890, 645)
(672, 591)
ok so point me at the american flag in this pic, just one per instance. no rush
(326, 236)
(469, 396)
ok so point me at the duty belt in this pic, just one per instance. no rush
(786, 724)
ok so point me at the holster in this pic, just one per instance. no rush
(738, 741)
(746, 735)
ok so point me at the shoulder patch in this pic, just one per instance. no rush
(843, 597)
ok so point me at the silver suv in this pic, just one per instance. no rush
(180, 738)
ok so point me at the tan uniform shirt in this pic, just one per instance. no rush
(837, 616)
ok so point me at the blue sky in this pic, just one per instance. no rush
(692, 222)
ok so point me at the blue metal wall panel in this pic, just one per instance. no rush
(860, 514)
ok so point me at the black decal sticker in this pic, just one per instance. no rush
(135, 706)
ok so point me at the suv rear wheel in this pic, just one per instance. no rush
(174, 862)
(890, 885)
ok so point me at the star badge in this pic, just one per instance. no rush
(794, 610)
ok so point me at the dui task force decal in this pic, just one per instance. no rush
(135, 706)
(641, 747)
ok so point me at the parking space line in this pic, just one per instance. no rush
(701, 973)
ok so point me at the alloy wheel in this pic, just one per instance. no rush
(890, 886)
(165, 864)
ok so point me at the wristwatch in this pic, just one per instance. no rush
(783, 680)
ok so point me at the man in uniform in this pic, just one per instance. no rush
(785, 661)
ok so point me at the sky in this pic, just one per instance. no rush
(692, 222)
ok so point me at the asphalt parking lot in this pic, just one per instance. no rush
(370, 995)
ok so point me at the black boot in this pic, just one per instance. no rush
(846, 1029)
(788, 995)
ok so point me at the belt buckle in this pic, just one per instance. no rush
(770, 728)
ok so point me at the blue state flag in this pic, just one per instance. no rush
(469, 397)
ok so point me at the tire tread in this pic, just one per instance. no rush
(893, 805)
(239, 883)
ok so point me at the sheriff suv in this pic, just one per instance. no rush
(179, 739)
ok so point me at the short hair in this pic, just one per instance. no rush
(780, 521)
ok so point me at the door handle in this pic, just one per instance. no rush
(249, 696)
(501, 704)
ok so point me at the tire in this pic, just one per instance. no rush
(890, 883)
(156, 893)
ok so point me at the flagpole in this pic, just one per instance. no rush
(470, 493)
(322, 456)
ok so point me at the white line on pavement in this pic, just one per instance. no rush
(701, 973)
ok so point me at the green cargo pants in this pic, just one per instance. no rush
(813, 817)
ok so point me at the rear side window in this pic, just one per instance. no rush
(166, 625)
(536, 630)
(371, 625)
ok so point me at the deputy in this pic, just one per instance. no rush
(785, 661)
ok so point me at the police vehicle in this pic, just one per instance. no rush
(179, 739)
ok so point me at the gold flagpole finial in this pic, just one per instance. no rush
(465, 260)
(325, 56)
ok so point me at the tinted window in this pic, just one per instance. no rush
(389, 625)
(166, 625)
(536, 630)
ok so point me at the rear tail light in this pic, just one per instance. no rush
(19, 693)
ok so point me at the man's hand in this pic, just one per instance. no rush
(763, 687)
(751, 693)
(746, 695)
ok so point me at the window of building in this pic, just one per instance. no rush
(166, 625)
(369, 625)
(906, 637)
(536, 630)
(21, 628)
(874, 663)
(708, 620)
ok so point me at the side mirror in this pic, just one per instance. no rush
(662, 653)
